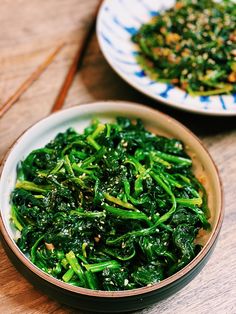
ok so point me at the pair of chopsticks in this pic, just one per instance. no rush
(75, 65)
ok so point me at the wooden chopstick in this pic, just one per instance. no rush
(29, 81)
(76, 63)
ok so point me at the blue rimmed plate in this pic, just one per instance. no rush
(117, 21)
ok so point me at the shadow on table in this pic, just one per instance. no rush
(103, 83)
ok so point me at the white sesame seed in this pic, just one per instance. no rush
(126, 281)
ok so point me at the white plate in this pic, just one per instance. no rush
(117, 21)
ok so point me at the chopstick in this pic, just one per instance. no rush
(29, 81)
(76, 63)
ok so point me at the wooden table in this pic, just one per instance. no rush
(29, 31)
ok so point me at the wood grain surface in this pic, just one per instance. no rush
(29, 30)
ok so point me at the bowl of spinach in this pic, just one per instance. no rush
(110, 206)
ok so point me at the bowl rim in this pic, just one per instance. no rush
(143, 90)
(124, 293)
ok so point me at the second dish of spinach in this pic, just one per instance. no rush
(193, 46)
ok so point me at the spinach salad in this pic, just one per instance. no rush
(192, 45)
(114, 208)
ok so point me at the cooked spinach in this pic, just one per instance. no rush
(113, 208)
(192, 45)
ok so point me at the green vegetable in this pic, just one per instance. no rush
(113, 208)
(191, 45)
(72, 260)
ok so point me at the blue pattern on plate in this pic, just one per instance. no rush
(130, 30)
(107, 40)
(117, 21)
(135, 53)
(151, 12)
(154, 13)
(111, 30)
(185, 95)
(234, 95)
(166, 91)
(125, 61)
(223, 103)
(140, 73)
(204, 98)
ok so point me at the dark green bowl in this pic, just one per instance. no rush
(107, 301)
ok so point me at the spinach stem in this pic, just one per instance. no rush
(72, 260)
